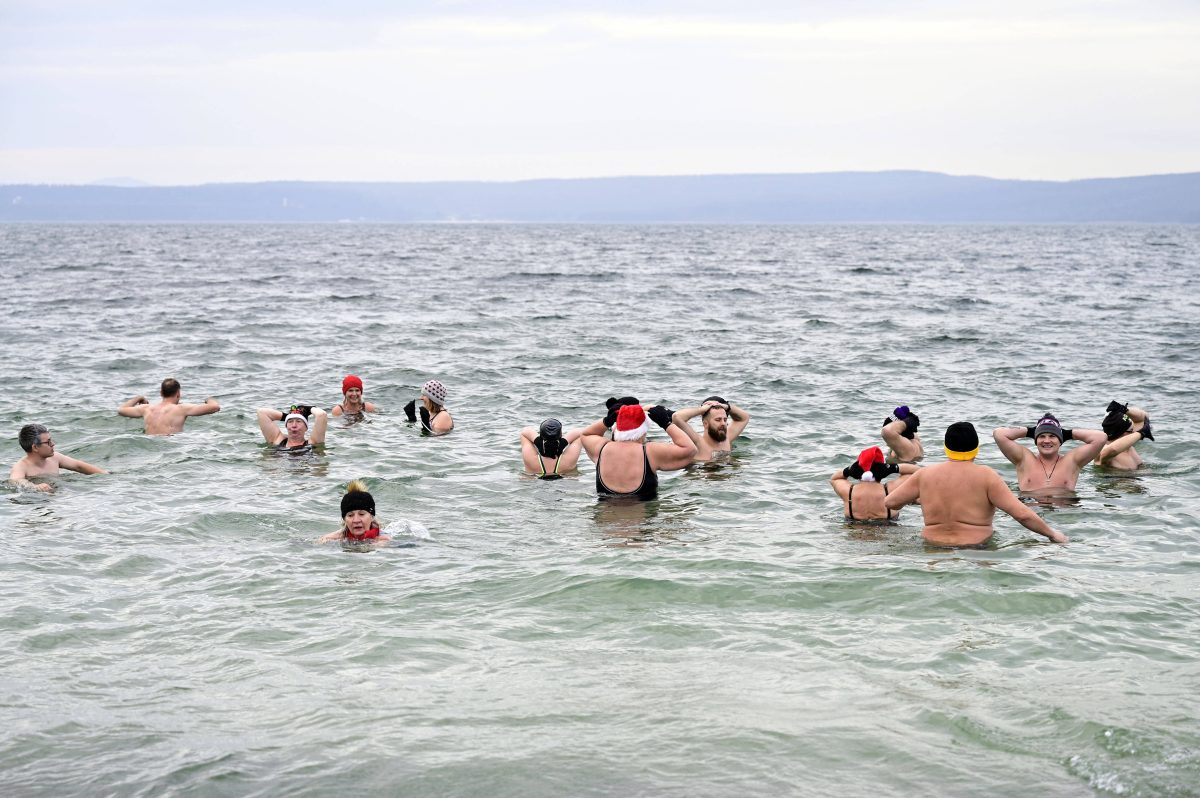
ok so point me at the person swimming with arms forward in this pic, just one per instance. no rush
(295, 436)
(870, 470)
(547, 452)
(352, 403)
(358, 518)
(166, 416)
(722, 423)
(1047, 468)
(900, 434)
(435, 418)
(959, 498)
(41, 460)
(1124, 427)
(627, 466)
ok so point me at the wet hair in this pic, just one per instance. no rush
(170, 387)
(28, 436)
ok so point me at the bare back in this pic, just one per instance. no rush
(164, 418)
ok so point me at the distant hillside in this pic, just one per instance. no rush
(901, 196)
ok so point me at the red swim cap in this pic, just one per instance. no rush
(869, 457)
(351, 382)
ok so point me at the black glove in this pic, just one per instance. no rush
(660, 416)
(882, 471)
(888, 420)
(425, 418)
(911, 422)
(1068, 434)
(1114, 405)
(853, 470)
(410, 411)
(612, 402)
(1029, 432)
(1146, 432)
(610, 417)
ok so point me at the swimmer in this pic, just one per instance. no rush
(722, 421)
(632, 465)
(871, 470)
(295, 424)
(900, 434)
(1124, 427)
(352, 403)
(435, 418)
(358, 518)
(959, 498)
(547, 452)
(41, 460)
(1048, 468)
(166, 416)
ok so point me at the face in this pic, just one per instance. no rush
(425, 400)
(716, 424)
(358, 522)
(44, 445)
(295, 427)
(354, 395)
(1048, 443)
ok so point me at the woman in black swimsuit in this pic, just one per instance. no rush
(627, 466)
(863, 500)
(548, 452)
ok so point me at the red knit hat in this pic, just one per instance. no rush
(351, 382)
(631, 423)
(869, 457)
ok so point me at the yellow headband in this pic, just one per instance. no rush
(961, 455)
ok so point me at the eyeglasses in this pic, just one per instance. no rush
(47, 442)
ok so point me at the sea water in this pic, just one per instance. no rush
(171, 628)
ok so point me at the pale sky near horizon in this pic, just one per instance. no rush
(223, 92)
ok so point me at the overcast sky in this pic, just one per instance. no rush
(175, 93)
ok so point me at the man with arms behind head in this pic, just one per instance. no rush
(900, 434)
(167, 415)
(960, 497)
(41, 460)
(723, 422)
(1047, 468)
(1124, 427)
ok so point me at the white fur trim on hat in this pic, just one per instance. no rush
(290, 416)
(631, 434)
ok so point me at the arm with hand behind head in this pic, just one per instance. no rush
(320, 423)
(1006, 439)
(675, 455)
(1093, 441)
(738, 419)
(266, 424)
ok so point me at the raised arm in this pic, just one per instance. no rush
(1006, 438)
(682, 419)
(1002, 497)
(1093, 441)
(738, 419)
(320, 422)
(1121, 444)
(675, 455)
(906, 492)
(840, 484)
(209, 407)
(133, 408)
(266, 424)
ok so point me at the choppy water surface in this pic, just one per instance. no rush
(171, 629)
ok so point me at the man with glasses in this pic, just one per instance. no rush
(41, 460)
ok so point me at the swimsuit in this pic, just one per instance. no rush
(427, 420)
(553, 474)
(373, 532)
(645, 491)
(850, 506)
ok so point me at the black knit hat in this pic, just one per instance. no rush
(357, 500)
(962, 442)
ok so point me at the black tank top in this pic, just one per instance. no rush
(645, 491)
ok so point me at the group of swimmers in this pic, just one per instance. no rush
(958, 498)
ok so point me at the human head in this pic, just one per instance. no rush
(170, 387)
(358, 507)
(867, 461)
(1048, 434)
(351, 381)
(435, 392)
(716, 423)
(295, 423)
(632, 424)
(549, 441)
(962, 441)
(1116, 424)
(29, 436)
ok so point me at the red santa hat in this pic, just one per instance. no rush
(868, 458)
(631, 423)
